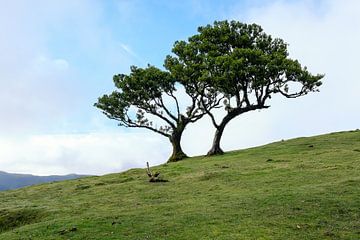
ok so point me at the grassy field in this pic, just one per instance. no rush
(305, 188)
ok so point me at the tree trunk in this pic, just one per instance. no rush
(177, 153)
(216, 149)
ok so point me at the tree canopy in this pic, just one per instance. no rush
(229, 65)
(146, 98)
(241, 64)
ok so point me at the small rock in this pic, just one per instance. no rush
(115, 222)
(64, 231)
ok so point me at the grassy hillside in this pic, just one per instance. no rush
(305, 188)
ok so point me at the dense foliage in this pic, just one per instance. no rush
(228, 65)
(146, 98)
(243, 65)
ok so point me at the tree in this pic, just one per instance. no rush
(243, 65)
(147, 97)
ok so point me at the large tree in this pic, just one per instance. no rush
(146, 98)
(242, 64)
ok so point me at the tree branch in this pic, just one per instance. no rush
(133, 124)
(245, 90)
(167, 110)
(155, 113)
(210, 114)
(176, 102)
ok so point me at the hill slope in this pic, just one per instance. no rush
(305, 188)
(14, 180)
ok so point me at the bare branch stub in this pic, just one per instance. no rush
(153, 177)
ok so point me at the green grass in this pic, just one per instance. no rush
(305, 188)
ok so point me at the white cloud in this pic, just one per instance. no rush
(56, 58)
(131, 52)
(93, 153)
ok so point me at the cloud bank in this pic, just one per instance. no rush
(95, 153)
(46, 93)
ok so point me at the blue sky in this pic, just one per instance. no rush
(57, 57)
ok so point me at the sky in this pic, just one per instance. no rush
(57, 57)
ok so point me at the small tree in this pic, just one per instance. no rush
(146, 99)
(243, 65)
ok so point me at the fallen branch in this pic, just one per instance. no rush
(153, 177)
